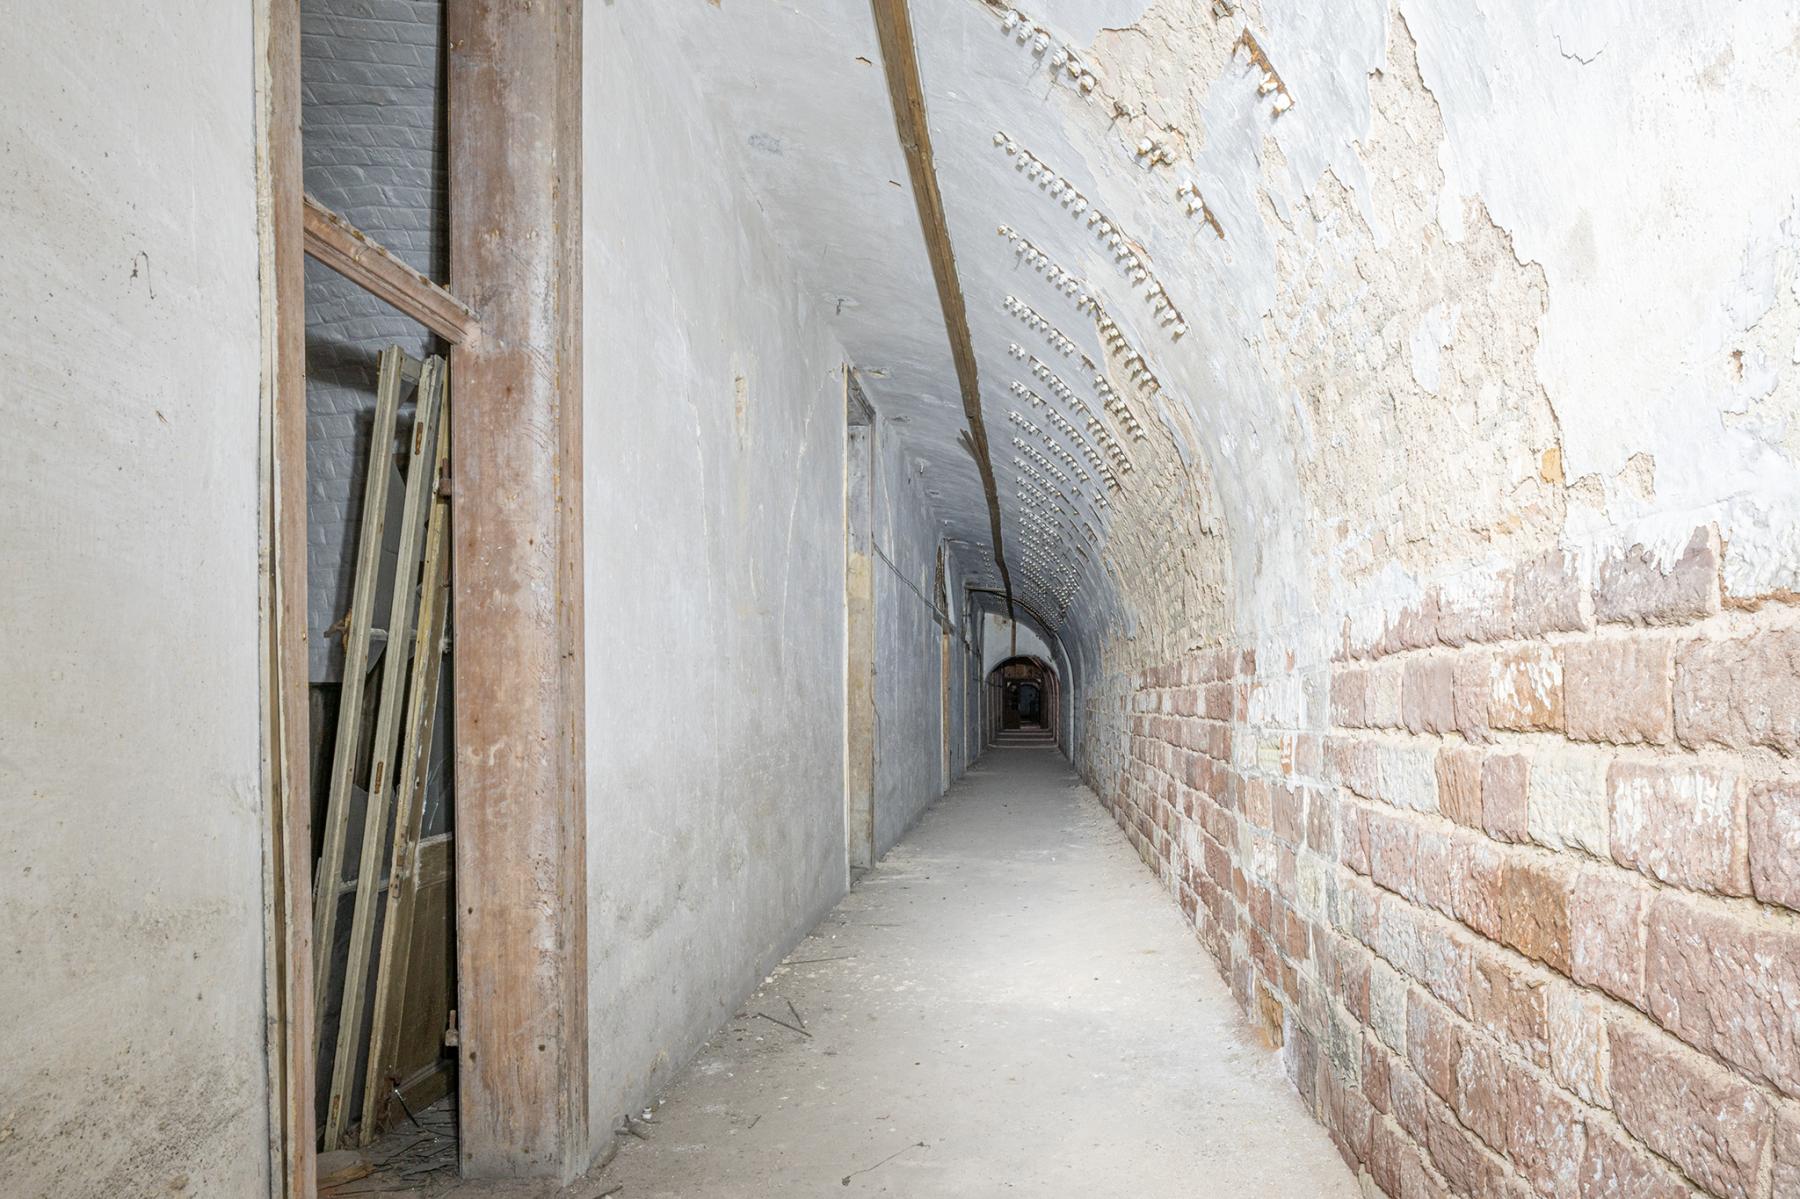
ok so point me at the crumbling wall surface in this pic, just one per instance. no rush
(1486, 798)
(131, 995)
(715, 501)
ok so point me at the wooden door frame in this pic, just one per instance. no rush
(287, 788)
(515, 167)
(860, 463)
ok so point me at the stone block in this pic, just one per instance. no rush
(1727, 983)
(1575, 1023)
(1525, 690)
(1566, 800)
(1637, 586)
(1619, 690)
(1427, 696)
(1774, 836)
(1549, 594)
(1606, 920)
(1505, 782)
(1680, 823)
(1689, 1110)
(1509, 1004)
(1459, 785)
(1740, 693)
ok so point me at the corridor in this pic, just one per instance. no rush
(943, 598)
(1003, 1005)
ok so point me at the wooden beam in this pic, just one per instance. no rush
(516, 577)
(335, 242)
(288, 853)
(893, 24)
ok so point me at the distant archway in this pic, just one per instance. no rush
(1024, 697)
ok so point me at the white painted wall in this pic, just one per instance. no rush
(715, 580)
(131, 982)
(908, 643)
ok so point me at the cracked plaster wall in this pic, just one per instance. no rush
(1495, 280)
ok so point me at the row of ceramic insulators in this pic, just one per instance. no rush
(1074, 435)
(1116, 404)
(1033, 320)
(1136, 368)
(1190, 196)
(1062, 280)
(1104, 228)
(1057, 387)
(1135, 268)
(1037, 498)
(1042, 461)
(1025, 393)
(1063, 58)
(1115, 451)
(1138, 271)
(1038, 171)
(1032, 471)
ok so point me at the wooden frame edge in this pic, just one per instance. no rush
(333, 241)
(282, 586)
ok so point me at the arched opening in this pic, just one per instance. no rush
(1024, 703)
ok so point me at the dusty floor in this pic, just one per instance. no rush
(1007, 1003)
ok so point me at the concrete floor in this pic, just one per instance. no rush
(1007, 1003)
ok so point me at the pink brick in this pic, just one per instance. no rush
(1576, 1028)
(1522, 1117)
(1689, 1110)
(1637, 587)
(1606, 919)
(1413, 627)
(1469, 694)
(1619, 690)
(1525, 691)
(1740, 693)
(1680, 823)
(1433, 1044)
(1535, 911)
(1616, 1169)
(1350, 697)
(1787, 1153)
(1505, 783)
(1548, 595)
(1290, 813)
(1546, 1135)
(1509, 1004)
(1466, 1164)
(1427, 696)
(1383, 711)
(1775, 842)
(1728, 985)
(1481, 1100)
(1459, 785)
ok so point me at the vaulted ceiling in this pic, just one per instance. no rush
(1260, 294)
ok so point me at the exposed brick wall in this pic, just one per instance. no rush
(1520, 910)
(372, 113)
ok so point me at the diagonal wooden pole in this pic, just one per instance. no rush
(893, 23)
